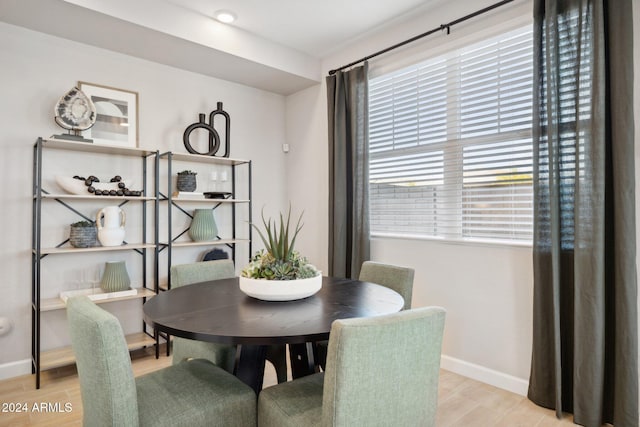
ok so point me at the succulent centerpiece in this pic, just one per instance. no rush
(279, 272)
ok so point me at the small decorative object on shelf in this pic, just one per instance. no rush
(278, 272)
(74, 112)
(83, 234)
(111, 231)
(117, 186)
(217, 194)
(214, 136)
(215, 254)
(115, 277)
(186, 181)
(203, 226)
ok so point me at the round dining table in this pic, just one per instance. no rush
(218, 311)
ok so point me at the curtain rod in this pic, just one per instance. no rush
(412, 39)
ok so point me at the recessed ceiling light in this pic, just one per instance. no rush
(225, 16)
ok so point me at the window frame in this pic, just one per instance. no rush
(456, 157)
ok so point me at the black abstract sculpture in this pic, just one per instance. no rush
(214, 137)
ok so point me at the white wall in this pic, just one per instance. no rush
(36, 70)
(486, 289)
(307, 176)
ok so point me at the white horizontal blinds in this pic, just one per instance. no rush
(496, 92)
(450, 144)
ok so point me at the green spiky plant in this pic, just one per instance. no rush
(279, 261)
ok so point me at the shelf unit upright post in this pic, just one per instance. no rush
(65, 356)
(35, 259)
(234, 172)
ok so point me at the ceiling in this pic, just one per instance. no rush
(275, 45)
(316, 28)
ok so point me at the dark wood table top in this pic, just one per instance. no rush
(218, 311)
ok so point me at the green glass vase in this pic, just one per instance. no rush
(203, 226)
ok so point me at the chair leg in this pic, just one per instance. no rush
(320, 353)
(277, 355)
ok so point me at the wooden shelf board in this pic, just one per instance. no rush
(69, 249)
(64, 356)
(93, 197)
(51, 304)
(61, 144)
(204, 159)
(207, 243)
(203, 200)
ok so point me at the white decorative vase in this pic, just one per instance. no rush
(281, 290)
(111, 231)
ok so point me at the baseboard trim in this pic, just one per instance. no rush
(485, 375)
(460, 367)
(15, 369)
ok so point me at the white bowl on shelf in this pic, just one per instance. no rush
(77, 186)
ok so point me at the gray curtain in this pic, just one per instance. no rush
(347, 100)
(585, 337)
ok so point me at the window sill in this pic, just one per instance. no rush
(454, 241)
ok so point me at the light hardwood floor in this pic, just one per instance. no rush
(462, 402)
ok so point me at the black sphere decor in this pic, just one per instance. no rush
(122, 190)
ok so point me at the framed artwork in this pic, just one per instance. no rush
(116, 115)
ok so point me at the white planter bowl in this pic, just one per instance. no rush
(281, 290)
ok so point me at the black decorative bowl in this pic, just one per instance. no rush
(217, 195)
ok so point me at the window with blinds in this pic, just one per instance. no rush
(450, 144)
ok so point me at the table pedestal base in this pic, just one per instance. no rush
(302, 359)
(250, 360)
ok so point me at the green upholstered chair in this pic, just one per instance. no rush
(400, 279)
(391, 383)
(222, 355)
(191, 393)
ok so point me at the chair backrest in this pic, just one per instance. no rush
(107, 384)
(384, 370)
(186, 274)
(400, 279)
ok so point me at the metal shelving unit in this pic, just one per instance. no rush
(62, 356)
(186, 205)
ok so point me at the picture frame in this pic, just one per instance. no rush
(117, 115)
